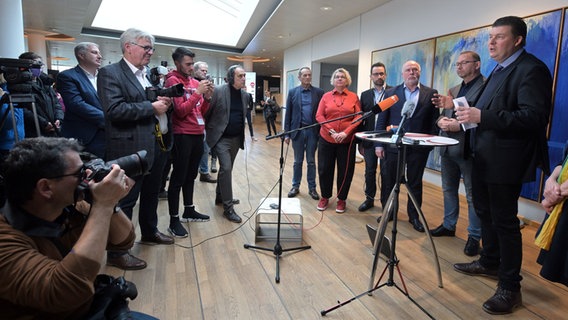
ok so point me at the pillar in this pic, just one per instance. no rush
(12, 42)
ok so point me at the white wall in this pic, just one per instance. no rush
(403, 21)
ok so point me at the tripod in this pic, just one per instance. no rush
(391, 211)
(278, 250)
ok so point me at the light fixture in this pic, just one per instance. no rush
(247, 58)
(326, 8)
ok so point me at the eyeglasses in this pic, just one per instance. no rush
(458, 64)
(79, 174)
(146, 48)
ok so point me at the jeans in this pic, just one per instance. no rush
(452, 170)
(306, 141)
(204, 163)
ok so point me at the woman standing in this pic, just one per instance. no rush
(336, 139)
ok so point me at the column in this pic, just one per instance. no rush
(36, 43)
(11, 29)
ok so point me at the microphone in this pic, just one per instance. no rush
(408, 109)
(379, 107)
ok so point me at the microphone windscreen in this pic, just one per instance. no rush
(385, 104)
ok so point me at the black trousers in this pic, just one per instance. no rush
(330, 154)
(497, 207)
(186, 155)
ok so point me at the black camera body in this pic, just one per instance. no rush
(17, 74)
(153, 93)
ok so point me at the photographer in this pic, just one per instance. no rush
(49, 111)
(51, 242)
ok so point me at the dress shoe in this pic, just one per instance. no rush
(503, 302)
(206, 177)
(157, 238)
(314, 194)
(218, 201)
(471, 247)
(441, 231)
(232, 216)
(126, 262)
(475, 268)
(366, 205)
(293, 192)
(417, 225)
(379, 218)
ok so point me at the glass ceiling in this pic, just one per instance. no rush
(219, 22)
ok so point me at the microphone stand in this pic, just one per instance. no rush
(278, 250)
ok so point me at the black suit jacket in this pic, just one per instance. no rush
(129, 116)
(293, 117)
(423, 120)
(510, 141)
(367, 103)
(83, 111)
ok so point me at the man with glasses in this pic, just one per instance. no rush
(456, 160)
(51, 242)
(131, 121)
(370, 98)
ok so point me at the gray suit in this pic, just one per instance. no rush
(226, 147)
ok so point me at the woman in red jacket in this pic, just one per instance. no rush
(336, 139)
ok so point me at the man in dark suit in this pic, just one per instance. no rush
(134, 123)
(455, 160)
(301, 107)
(369, 98)
(84, 118)
(225, 134)
(512, 114)
(423, 120)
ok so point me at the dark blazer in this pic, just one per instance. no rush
(510, 141)
(217, 116)
(459, 150)
(367, 103)
(425, 115)
(129, 116)
(83, 111)
(293, 117)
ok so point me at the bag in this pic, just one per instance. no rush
(274, 106)
(110, 300)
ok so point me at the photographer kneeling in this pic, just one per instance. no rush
(51, 242)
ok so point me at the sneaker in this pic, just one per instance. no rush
(191, 215)
(213, 165)
(322, 204)
(176, 229)
(340, 206)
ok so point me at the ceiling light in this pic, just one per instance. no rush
(326, 8)
(251, 58)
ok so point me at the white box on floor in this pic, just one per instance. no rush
(291, 222)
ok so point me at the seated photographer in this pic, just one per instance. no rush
(52, 242)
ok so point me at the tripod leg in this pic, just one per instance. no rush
(388, 211)
(434, 252)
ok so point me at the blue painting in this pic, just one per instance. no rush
(393, 58)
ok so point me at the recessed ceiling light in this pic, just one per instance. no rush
(326, 8)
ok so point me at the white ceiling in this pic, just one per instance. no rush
(286, 23)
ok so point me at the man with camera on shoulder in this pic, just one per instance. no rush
(51, 241)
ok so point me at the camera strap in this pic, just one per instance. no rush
(159, 137)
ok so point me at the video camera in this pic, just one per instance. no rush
(133, 165)
(18, 74)
(153, 93)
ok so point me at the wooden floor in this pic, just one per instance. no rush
(210, 275)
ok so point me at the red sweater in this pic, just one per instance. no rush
(188, 108)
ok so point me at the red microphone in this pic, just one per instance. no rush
(385, 104)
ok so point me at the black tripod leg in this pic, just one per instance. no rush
(380, 235)
(434, 252)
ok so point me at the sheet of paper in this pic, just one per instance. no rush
(462, 102)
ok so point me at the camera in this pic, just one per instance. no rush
(133, 165)
(153, 93)
(17, 74)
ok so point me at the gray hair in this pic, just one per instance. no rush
(132, 35)
(83, 47)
